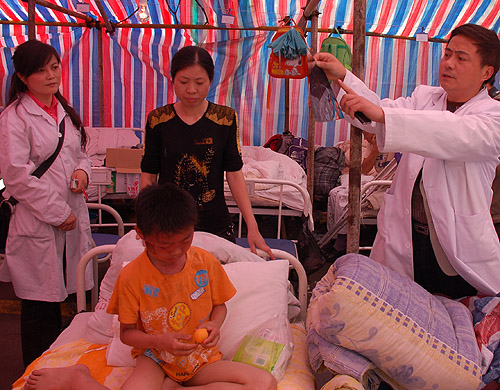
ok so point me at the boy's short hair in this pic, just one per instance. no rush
(165, 208)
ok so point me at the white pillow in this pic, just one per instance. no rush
(100, 326)
(261, 293)
(225, 251)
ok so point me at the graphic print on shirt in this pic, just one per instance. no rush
(192, 175)
(152, 321)
(201, 280)
(179, 316)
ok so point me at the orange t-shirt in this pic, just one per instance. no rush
(160, 303)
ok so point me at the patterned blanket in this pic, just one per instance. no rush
(298, 375)
(366, 321)
(486, 319)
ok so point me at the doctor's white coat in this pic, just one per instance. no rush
(458, 154)
(34, 251)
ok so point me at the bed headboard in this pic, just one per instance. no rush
(93, 254)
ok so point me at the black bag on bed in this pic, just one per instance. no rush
(329, 161)
(295, 148)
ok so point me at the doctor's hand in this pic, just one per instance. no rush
(352, 102)
(331, 65)
(69, 224)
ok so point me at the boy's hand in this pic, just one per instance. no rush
(176, 343)
(213, 334)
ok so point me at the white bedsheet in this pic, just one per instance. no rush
(264, 163)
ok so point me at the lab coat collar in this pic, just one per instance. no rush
(440, 96)
(33, 108)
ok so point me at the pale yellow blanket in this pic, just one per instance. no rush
(298, 375)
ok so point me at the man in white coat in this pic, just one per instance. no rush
(435, 225)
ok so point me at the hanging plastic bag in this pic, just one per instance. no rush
(322, 97)
(268, 346)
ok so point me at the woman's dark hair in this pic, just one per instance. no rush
(28, 58)
(165, 208)
(192, 55)
(487, 43)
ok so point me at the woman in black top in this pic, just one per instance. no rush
(193, 141)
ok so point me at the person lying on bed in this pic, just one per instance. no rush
(161, 298)
(435, 225)
(193, 141)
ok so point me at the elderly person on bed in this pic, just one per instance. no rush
(193, 142)
(435, 225)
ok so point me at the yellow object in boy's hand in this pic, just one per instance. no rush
(200, 335)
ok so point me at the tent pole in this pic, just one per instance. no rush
(31, 19)
(287, 105)
(354, 199)
(109, 28)
(310, 9)
(208, 27)
(311, 131)
(287, 22)
(101, 77)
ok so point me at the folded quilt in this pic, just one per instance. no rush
(367, 321)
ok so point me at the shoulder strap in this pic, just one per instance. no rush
(47, 163)
(43, 167)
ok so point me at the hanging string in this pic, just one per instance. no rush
(172, 11)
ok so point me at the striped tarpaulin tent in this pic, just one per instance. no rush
(136, 60)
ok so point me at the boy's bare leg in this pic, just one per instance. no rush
(63, 378)
(147, 374)
(223, 374)
(170, 384)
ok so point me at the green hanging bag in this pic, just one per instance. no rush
(337, 46)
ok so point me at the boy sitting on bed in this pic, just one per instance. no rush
(161, 298)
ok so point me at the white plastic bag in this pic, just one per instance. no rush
(268, 346)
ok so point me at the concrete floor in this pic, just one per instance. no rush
(10, 354)
(11, 362)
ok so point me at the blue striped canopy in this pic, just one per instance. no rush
(136, 60)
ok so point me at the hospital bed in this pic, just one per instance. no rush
(374, 188)
(277, 185)
(263, 291)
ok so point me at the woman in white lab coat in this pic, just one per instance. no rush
(49, 229)
(450, 140)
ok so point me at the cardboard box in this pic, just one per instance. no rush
(124, 163)
(124, 160)
(124, 183)
(118, 183)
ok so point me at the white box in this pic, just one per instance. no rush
(101, 175)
